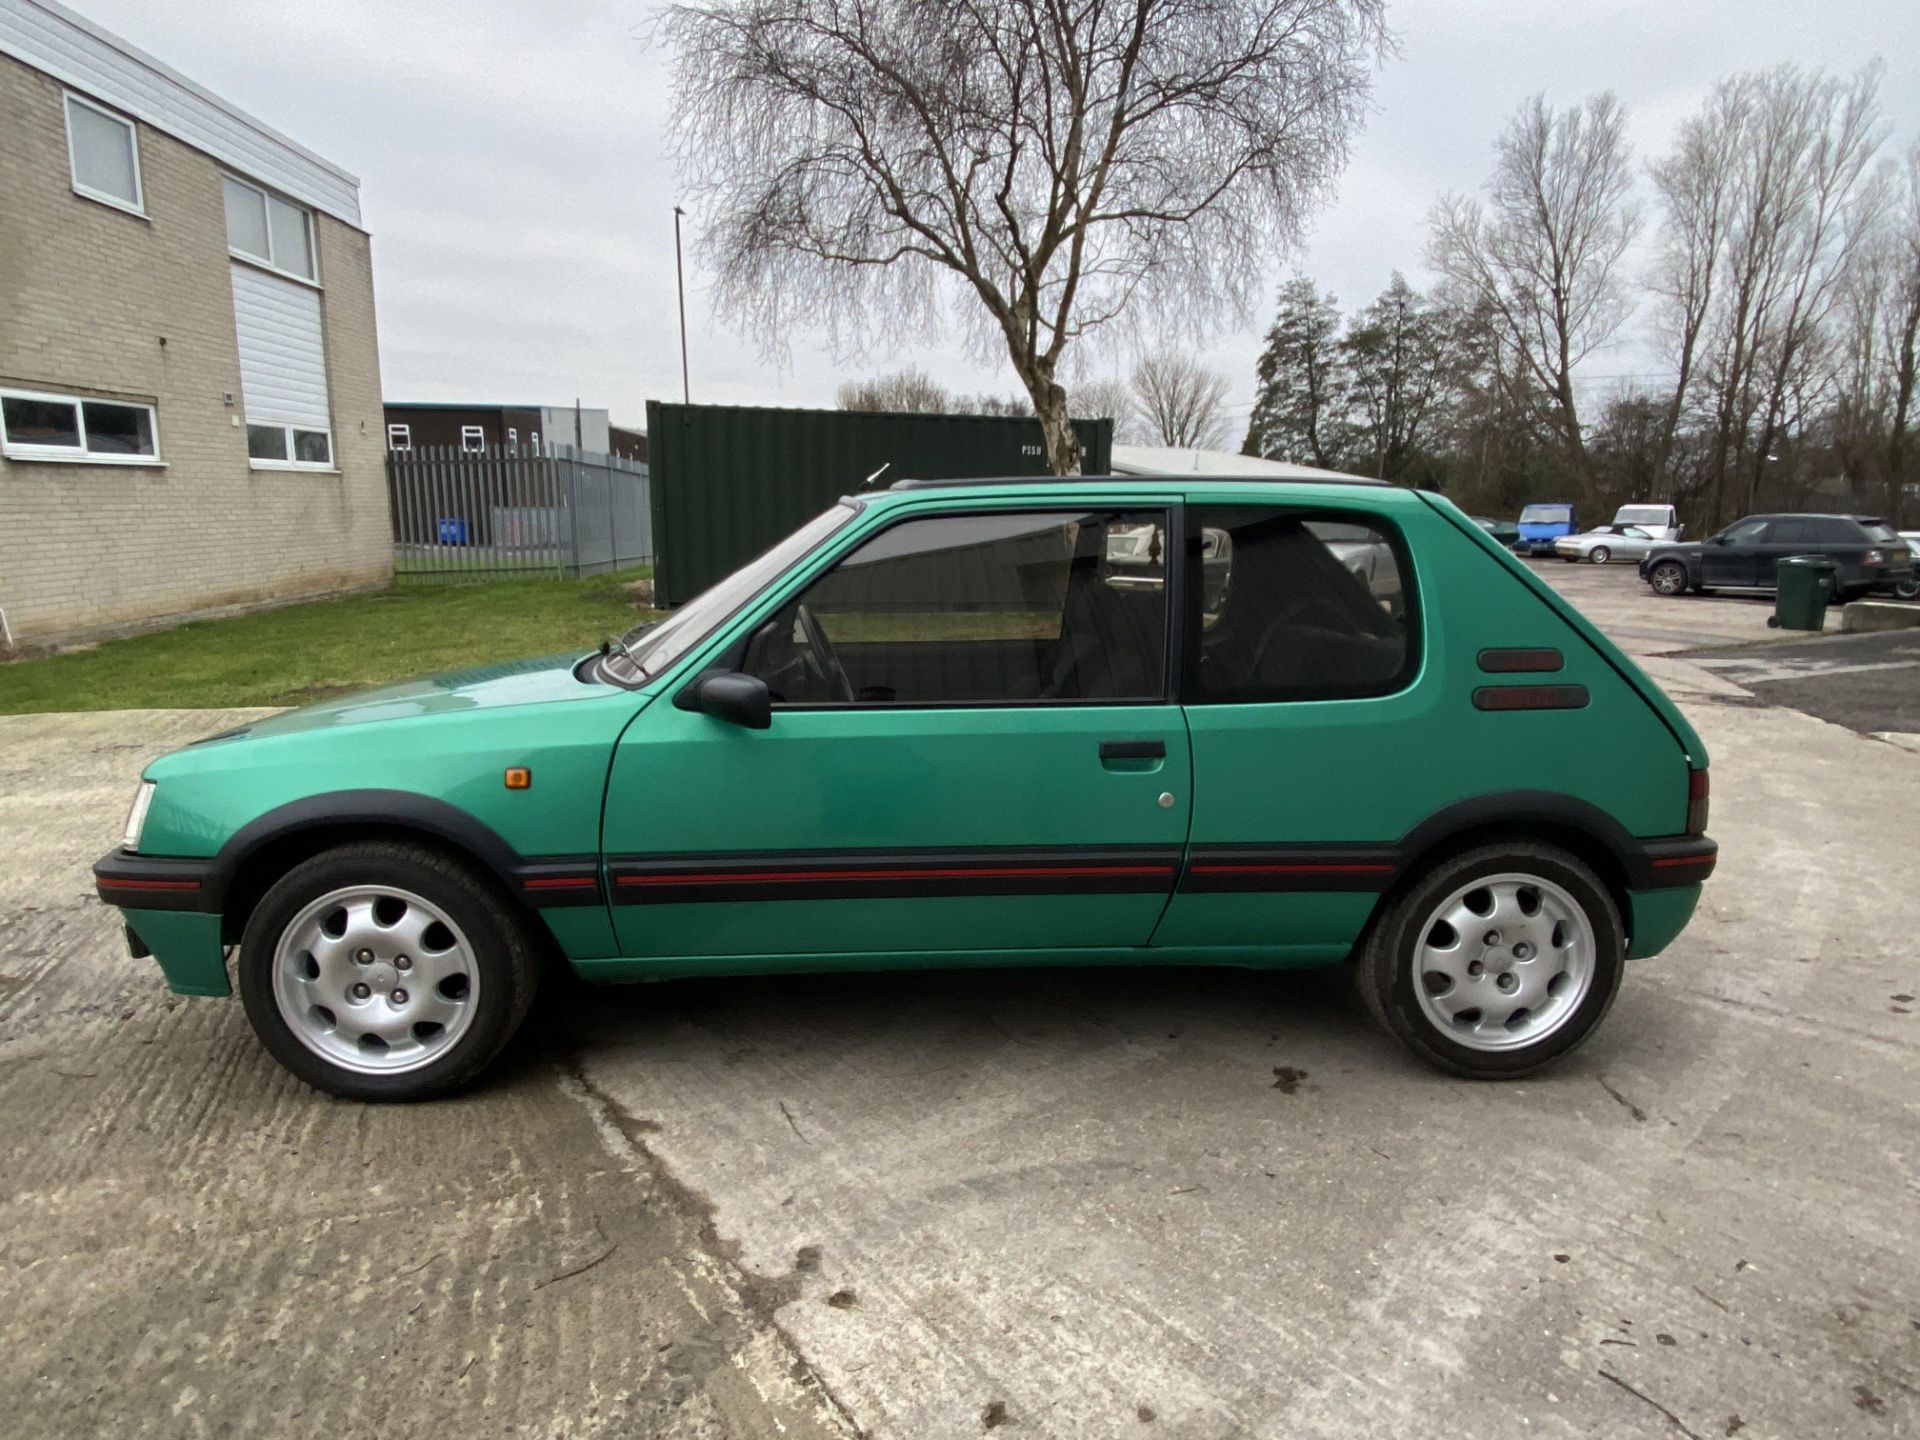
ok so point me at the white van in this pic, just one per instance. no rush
(1662, 522)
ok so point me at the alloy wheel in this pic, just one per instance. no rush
(375, 979)
(1504, 961)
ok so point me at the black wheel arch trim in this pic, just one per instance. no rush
(1644, 864)
(543, 881)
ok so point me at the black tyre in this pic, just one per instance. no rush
(386, 971)
(1495, 962)
(1668, 578)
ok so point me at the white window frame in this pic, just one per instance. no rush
(513, 438)
(331, 467)
(476, 434)
(266, 263)
(87, 192)
(399, 437)
(80, 455)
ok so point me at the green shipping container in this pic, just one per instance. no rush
(730, 480)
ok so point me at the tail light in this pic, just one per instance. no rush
(1696, 802)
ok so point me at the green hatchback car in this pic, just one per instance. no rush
(1098, 721)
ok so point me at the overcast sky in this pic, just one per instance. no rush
(514, 173)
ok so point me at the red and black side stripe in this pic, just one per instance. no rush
(550, 882)
(893, 874)
(1241, 869)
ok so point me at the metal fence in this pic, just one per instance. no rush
(516, 510)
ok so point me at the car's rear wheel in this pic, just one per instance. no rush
(1497, 961)
(1907, 589)
(1600, 554)
(1669, 577)
(385, 971)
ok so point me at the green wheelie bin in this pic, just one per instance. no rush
(1805, 589)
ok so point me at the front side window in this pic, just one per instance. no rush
(1014, 607)
(472, 437)
(34, 426)
(104, 151)
(268, 230)
(1747, 532)
(1289, 606)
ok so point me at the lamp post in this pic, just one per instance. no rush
(680, 283)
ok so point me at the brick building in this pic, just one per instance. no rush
(189, 379)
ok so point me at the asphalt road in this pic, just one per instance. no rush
(1108, 1203)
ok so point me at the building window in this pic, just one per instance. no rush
(399, 437)
(34, 426)
(104, 151)
(472, 437)
(513, 437)
(267, 230)
(289, 447)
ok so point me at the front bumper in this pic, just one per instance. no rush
(171, 914)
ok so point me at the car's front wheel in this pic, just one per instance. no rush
(1669, 577)
(1497, 961)
(385, 971)
(1600, 554)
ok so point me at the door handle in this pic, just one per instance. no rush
(1133, 749)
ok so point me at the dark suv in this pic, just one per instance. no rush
(1870, 556)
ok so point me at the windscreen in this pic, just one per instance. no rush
(1546, 515)
(1641, 515)
(1880, 532)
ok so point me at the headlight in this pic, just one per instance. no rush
(137, 816)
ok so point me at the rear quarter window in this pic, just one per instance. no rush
(1292, 605)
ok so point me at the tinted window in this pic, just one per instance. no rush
(1881, 533)
(1289, 607)
(1745, 532)
(1796, 532)
(979, 609)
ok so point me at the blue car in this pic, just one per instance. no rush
(1541, 525)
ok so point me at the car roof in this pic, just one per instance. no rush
(1156, 482)
(1815, 515)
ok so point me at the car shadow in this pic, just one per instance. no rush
(958, 1015)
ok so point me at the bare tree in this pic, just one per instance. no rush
(909, 391)
(1901, 322)
(1299, 405)
(1106, 398)
(858, 162)
(1694, 183)
(1180, 401)
(1542, 252)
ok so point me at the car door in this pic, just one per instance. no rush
(972, 750)
(1307, 711)
(1733, 557)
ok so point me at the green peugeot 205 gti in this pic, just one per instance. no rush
(1160, 721)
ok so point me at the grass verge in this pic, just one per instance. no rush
(301, 653)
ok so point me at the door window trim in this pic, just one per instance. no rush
(1194, 595)
(732, 654)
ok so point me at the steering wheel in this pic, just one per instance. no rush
(825, 662)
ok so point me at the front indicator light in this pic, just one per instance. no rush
(137, 816)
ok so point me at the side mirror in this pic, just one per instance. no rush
(1718, 540)
(738, 699)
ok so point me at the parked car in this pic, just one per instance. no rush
(1871, 558)
(1609, 542)
(1541, 525)
(1504, 532)
(934, 727)
(1662, 522)
(1909, 588)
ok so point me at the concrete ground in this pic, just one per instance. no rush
(1059, 1203)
